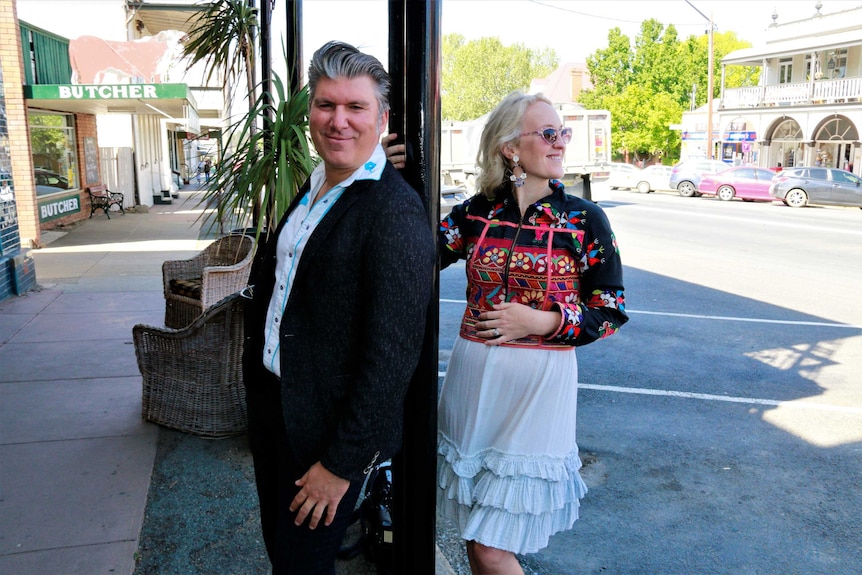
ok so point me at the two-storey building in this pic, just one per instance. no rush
(807, 108)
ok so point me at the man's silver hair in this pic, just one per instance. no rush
(341, 60)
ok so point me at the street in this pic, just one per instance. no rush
(721, 429)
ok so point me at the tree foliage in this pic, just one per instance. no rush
(479, 73)
(647, 84)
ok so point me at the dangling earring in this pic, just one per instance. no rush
(517, 178)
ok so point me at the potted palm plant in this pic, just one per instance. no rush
(267, 155)
(269, 160)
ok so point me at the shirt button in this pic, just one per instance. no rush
(281, 287)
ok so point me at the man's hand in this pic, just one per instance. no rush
(321, 493)
(395, 153)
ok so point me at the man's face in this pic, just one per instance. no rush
(344, 122)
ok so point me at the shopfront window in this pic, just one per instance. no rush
(55, 155)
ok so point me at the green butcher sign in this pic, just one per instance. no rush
(57, 208)
(105, 91)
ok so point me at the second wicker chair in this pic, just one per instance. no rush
(193, 285)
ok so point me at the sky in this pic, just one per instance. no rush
(573, 28)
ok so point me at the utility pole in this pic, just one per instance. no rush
(710, 81)
(710, 87)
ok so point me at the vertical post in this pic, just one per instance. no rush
(293, 43)
(709, 96)
(264, 20)
(414, 57)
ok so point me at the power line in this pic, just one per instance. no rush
(596, 16)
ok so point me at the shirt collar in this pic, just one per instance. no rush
(372, 169)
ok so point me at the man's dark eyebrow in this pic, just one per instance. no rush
(364, 103)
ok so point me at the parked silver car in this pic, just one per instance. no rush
(652, 178)
(798, 187)
(685, 176)
(622, 175)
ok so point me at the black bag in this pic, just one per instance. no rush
(375, 521)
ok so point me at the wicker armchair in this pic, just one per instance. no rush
(192, 377)
(193, 285)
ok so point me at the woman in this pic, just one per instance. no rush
(544, 275)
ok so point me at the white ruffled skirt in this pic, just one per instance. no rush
(507, 463)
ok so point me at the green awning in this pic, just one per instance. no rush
(167, 100)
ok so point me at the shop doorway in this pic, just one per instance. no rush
(835, 144)
(118, 172)
(785, 148)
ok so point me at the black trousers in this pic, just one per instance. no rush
(292, 550)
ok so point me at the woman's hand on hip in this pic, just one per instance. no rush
(510, 321)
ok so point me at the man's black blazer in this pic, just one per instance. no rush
(353, 325)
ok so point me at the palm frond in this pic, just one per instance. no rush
(258, 176)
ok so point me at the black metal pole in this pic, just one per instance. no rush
(265, 19)
(293, 43)
(414, 57)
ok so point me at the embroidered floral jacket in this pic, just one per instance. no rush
(562, 254)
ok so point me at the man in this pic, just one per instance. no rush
(336, 320)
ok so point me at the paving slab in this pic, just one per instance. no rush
(89, 327)
(72, 493)
(106, 301)
(63, 360)
(34, 411)
(108, 558)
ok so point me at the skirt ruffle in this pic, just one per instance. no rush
(507, 501)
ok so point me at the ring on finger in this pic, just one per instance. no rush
(496, 332)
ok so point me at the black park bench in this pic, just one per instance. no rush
(103, 198)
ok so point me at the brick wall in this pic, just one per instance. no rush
(16, 116)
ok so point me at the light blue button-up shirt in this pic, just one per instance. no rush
(293, 239)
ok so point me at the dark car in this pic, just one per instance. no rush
(48, 182)
(741, 182)
(798, 187)
(685, 176)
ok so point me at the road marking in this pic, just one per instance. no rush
(709, 397)
(721, 317)
(748, 319)
(743, 218)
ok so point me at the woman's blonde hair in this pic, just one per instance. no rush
(503, 126)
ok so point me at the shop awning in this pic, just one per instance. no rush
(171, 101)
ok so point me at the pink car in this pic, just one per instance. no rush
(743, 182)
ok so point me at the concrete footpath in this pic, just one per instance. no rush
(86, 486)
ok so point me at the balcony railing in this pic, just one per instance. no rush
(800, 94)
